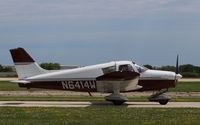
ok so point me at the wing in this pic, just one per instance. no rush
(126, 81)
(117, 75)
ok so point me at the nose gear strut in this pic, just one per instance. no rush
(160, 97)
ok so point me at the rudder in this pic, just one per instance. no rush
(25, 64)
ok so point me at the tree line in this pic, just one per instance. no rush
(187, 70)
(50, 66)
(5, 69)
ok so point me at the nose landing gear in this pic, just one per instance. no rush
(160, 97)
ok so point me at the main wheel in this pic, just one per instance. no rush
(163, 102)
(117, 102)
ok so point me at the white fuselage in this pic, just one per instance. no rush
(72, 79)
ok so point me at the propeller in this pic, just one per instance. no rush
(177, 66)
(177, 75)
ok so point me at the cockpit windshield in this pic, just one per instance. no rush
(141, 68)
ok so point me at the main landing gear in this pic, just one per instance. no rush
(160, 97)
(116, 98)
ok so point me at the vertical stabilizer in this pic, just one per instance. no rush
(24, 64)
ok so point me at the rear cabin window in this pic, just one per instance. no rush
(109, 69)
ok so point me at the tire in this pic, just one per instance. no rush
(116, 102)
(163, 102)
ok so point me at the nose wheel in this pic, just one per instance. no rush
(117, 102)
(160, 97)
(163, 102)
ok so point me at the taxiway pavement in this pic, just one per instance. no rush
(93, 104)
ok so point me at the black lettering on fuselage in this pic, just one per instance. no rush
(79, 85)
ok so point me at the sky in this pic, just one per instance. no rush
(86, 32)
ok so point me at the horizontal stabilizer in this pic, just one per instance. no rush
(21, 81)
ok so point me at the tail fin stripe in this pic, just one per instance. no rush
(19, 55)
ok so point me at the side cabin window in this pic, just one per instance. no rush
(127, 67)
(109, 69)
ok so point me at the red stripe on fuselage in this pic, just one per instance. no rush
(154, 85)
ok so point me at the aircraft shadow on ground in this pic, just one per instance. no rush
(74, 104)
(124, 105)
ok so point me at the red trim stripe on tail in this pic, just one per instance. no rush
(19, 55)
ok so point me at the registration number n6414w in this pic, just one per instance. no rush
(76, 85)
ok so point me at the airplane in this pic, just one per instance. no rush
(114, 77)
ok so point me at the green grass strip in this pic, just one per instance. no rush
(99, 116)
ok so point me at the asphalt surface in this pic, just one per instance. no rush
(93, 104)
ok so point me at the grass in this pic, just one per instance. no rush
(9, 86)
(98, 116)
(181, 87)
(187, 87)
